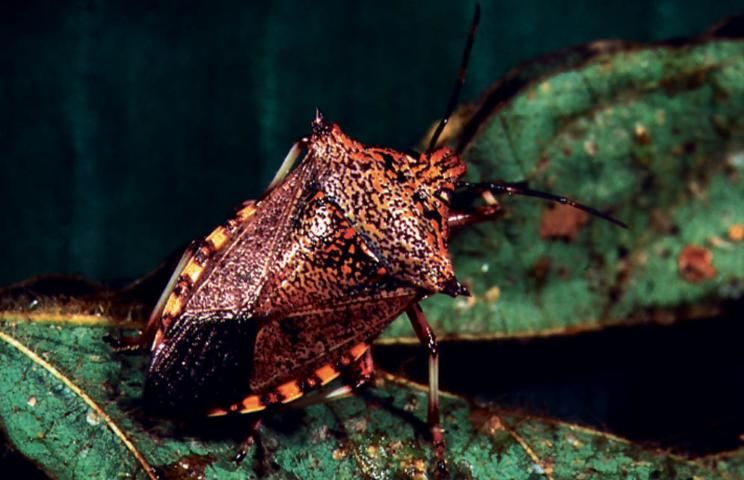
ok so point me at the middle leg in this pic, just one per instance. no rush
(427, 338)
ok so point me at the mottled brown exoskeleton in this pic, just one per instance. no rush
(289, 293)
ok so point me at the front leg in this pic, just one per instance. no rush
(459, 220)
(143, 341)
(289, 161)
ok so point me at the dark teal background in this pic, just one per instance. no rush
(129, 128)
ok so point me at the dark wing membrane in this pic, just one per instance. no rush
(204, 363)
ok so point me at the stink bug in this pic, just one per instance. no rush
(289, 293)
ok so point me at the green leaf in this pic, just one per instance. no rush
(655, 136)
(72, 407)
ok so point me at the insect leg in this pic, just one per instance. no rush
(144, 340)
(426, 336)
(458, 220)
(358, 374)
(249, 440)
(289, 161)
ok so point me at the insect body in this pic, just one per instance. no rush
(289, 293)
(304, 278)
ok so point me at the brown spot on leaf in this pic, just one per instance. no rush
(661, 222)
(487, 421)
(373, 451)
(492, 294)
(339, 454)
(641, 135)
(562, 222)
(686, 148)
(539, 271)
(590, 148)
(696, 264)
(542, 165)
(191, 467)
(493, 425)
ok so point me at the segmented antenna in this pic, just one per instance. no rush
(458, 83)
(520, 188)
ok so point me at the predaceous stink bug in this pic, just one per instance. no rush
(289, 293)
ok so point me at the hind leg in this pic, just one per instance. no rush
(250, 439)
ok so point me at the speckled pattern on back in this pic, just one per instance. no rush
(325, 260)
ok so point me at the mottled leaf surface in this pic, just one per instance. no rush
(653, 135)
(72, 407)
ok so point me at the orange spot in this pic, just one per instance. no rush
(252, 404)
(249, 404)
(358, 350)
(218, 237)
(326, 373)
(173, 306)
(696, 264)
(736, 232)
(192, 270)
(246, 212)
(562, 222)
(217, 412)
(290, 391)
(346, 270)
(349, 233)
